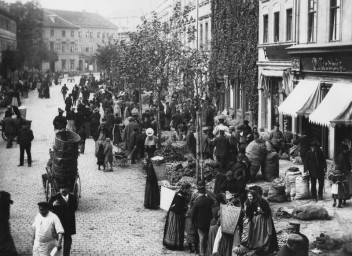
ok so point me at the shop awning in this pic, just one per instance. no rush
(345, 117)
(272, 73)
(311, 104)
(333, 105)
(299, 97)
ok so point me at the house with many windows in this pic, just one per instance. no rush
(8, 38)
(305, 71)
(75, 37)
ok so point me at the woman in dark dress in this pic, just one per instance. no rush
(343, 164)
(261, 231)
(174, 230)
(116, 130)
(152, 193)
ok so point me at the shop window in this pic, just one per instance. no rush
(276, 26)
(288, 24)
(63, 33)
(335, 16)
(265, 28)
(312, 20)
(52, 32)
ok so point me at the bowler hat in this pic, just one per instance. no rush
(44, 204)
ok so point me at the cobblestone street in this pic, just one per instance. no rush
(111, 219)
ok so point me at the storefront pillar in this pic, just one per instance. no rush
(261, 110)
(331, 143)
(281, 99)
(294, 125)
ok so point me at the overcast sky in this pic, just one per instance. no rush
(104, 7)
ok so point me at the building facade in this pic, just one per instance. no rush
(306, 85)
(8, 38)
(75, 37)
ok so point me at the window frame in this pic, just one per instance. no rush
(314, 12)
(265, 28)
(63, 33)
(63, 64)
(63, 47)
(72, 33)
(276, 29)
(72, 47)
(52, 32)
(289, 27)
(337, 26)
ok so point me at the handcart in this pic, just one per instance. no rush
(122, 159)
(61, 170)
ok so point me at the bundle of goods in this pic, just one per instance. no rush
(256, 152)
(325, 242)
(64, 158)
(169, 153)
(290, 181)
(302, 187)
(270, 168)
(180, 147)
(173, 170)
(277, 191)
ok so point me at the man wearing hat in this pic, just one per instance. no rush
(220, 126)
(95, 122)
(150, 142)
(10, 128)
(191, 141)
(205, 143)
(294, 228)
(9, 111)
(221, 145)
(140, 143)
(65, 205)
(60, 121)
(127, 132)
(48, 231)
(276, 137)
(202, 216)
(25, 138)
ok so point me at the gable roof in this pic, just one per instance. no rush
(83, 19)
(48, 21)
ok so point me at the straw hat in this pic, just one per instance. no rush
(150, 132)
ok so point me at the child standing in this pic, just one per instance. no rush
(338, 188)
(100, 155)
(108, 154)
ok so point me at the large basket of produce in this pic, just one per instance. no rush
(66, 140)
(159, 165)
(180, 147)
(170, 154)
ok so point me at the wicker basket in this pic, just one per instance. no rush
(66, 141)
(229, 215)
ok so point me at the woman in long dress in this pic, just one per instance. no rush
(174, 230)
(152, 193)
(344, 165)
(116, 130)
(150, 142)
(261, 231)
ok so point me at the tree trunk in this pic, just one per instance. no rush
(158, 119)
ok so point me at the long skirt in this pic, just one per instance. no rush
(174, 231)
(152, 195)
(192, 232)
(348, 177)
(211, 238)
(225, 245)
(339, 191)
(262, 234)
(117, 135)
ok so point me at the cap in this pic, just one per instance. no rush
(149, 132)
(44, 204)
(60, 110)
(205, 128)
(294, 224)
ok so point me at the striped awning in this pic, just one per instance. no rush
(345, 118)
(295, 101)
(333, 105)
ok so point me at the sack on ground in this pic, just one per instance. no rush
(256, 152)
(302, 188)
(277, 191)
(310, 212)
(271, 166)
(290, 181)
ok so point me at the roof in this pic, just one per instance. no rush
(59, 22)
(83, 19)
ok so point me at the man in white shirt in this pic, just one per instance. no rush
(221, 125)
(48, 231)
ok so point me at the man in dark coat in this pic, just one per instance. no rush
(60, 121)
(191, 141)
(140, 143)
(10, 128)
(68, 103)
(315, 164)
(168, 116)
(64, 90)
(202, 215)
(64, 205)
(176, 119)
(221, 144)
(25, 140)
(133, 145)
